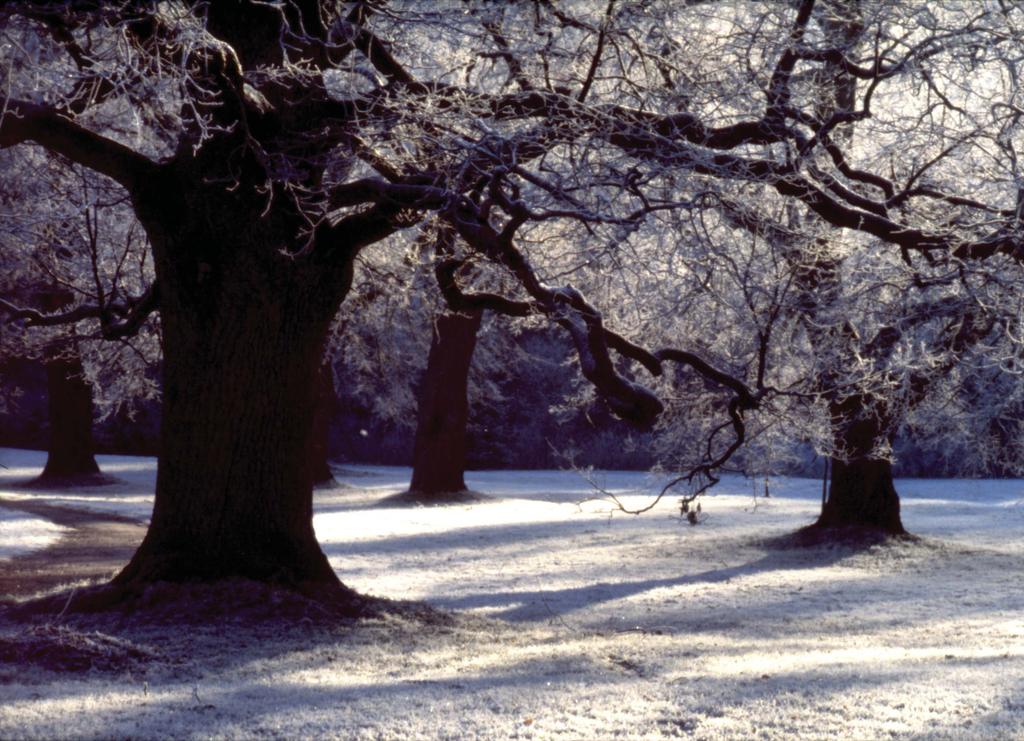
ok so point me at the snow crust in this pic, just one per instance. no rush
(578, 623)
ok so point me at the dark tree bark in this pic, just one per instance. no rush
(862, 495)
(70, 457)
(439, 455)
(244, 328)
(320, 446)
(70, 451)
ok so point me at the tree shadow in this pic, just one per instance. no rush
(523, 533)
(56, 482)
(95, 546)
(446, 699)
(856, 538)
(407, 499)
(530, 605)
(64, 515)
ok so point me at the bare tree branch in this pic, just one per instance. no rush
(22, 121)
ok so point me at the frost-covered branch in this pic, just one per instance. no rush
(118, 319)
(22, 121)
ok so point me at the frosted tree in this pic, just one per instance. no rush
(264, 146)
(417, 365)
(67, 238)
(879, 326)
(882, 328)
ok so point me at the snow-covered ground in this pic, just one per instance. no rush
(20, 533)
(131, 496)
(580, 623)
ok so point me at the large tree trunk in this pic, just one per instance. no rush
(439, 455)
(234, 483)
(862, 495)
(70, 452)
(243, 334)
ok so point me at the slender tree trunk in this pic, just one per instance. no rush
(439, 455)
(862, 494)
(70, 452)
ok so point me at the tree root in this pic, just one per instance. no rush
(220, 601)
(854, 537)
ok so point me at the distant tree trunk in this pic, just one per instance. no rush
(70, 452)
(439, 454)
(320, 447)
(69, 405)
(862, 494)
